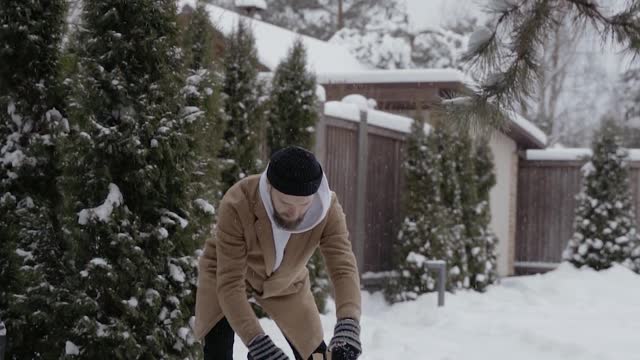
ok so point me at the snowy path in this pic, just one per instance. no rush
(565, 314)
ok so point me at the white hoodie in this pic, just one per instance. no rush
(315, 214)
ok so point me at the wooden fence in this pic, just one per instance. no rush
(363, 165)
(546, 209)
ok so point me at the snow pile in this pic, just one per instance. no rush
(351, 106)
(566, 314)
(169, 217)
(176, 273)
(205, 206)
(362, 102)
(478, 39)
(104, 211)
(132, 302)
(71, 348)
(99, 262)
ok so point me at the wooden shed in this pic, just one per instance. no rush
(405, 92)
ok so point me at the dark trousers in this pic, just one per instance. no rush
(218, 344)
(3, 344)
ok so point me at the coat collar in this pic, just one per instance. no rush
(264, 226)
(315, 214)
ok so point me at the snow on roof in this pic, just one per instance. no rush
(342, 110)
(390, 121)
(273, 42)
(321, 93)
(522, 124)
(559, 154)
(362, 102)
(528, 127)
(391, 76)
(260, 4)
(351, 112)
(571, 154)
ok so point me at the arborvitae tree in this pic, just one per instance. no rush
(202, 93)
(425, 231)
(130, 166)
(481, 241)
(10, 275)
(197, 39)
(34, 257)
(293, 110)
(466, 176)
(630, 104)
(319, 280)
(604, 225)
(242, 106)
(454, 150)
(631, 135)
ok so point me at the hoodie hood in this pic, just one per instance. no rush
(316, 213)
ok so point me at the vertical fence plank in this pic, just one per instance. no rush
(361, 189)
(546, 207)
(320, 143)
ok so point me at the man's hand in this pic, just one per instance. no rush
(262, 348)
(345, 344)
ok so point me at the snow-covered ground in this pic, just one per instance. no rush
(564, 314)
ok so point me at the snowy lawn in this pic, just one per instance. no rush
(564, 314)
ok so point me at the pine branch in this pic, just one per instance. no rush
(623, 27)
(472, 112)
(507, 56)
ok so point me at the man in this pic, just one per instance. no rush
(268, 227)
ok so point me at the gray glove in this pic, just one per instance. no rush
(345, 344)
(262, 348)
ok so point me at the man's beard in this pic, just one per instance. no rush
(286, 224)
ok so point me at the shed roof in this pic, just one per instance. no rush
(402, 90)
(397, 76)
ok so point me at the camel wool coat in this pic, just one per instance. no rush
(241, 256)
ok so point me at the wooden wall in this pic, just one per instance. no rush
(546, 208)
(365, 172)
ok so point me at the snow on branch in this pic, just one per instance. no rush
(103, 212)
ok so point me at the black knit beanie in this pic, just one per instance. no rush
(294, 171)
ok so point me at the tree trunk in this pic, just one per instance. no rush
(340, 16)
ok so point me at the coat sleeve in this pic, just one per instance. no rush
(341, 263)
(231, 270)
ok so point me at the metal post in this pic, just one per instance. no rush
(321, 136)
(442, 277)
(3, 340)
(441, 267)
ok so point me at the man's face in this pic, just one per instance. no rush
(289, 210)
